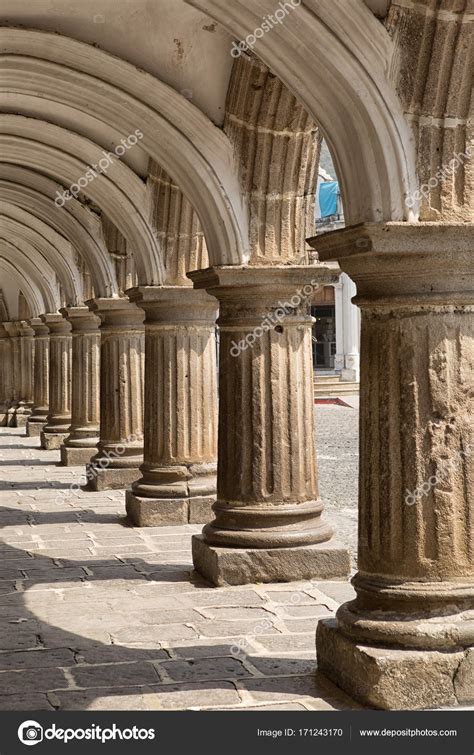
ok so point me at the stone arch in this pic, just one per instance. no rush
(178, 227)
(67, 157)
(278, 147)
(177, 135)
(43, 293)
(35, 193)
(433, 72)
(343, 82)
(18, 225)
(31, 291)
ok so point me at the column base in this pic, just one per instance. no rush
(21, 419)
(161, 512)
(76, 457)
(110, 478)
(349, 376)
(242, 566)
(10, 416)
(34, 429)
(52, 441)
(395, 679)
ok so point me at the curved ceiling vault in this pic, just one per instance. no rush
(40, 69)
(17, 224)
(34, 269)
(66, 157)
(35, 193)
(28, 287)
(343, 80)
(64, 102)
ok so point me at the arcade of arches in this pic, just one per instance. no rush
(153, 185)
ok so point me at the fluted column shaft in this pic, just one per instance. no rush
(415, 585)
(13, 330)
(5, 374)
(27, 350)
(180, 423)
(267, 484)
(40, 410)
(60, 347)
(120, 447)
(80, 445)
(26, 344)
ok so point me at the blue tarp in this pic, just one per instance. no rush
(328, 196)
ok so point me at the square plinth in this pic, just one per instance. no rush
(389, 678)
(110, 478)
(21, 420)
(242, 566)
(162, 512)
(34, 429)
(52, 441)
(76, 457)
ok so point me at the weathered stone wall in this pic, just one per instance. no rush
(116, 244)
(433, 71)
(178, 228)
(277, 148)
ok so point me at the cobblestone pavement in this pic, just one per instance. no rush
(98, 615)
(337, 434)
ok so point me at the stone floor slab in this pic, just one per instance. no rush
(241, 566)
(97, 615)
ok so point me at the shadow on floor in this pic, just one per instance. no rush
(36, 652)
(35, 485)
(72, 516)
(29, 462)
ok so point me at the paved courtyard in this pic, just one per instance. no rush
(98, 615)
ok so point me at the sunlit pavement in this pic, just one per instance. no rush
(98, 615)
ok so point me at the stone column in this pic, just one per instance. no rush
(5, 374)
(267, 524)
(57, 426)
(178, 483)
(80, 445)
(13, 330)
(351, 371)
(120, 448)
(40, 411)
(407, 640)
(27, 345)
(339, 358)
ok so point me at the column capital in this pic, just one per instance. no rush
(117, 312)
(12, 328)
(263, 286)
(26, 329)
(81, 319)
(176, 305)
(56, 323)
(39, 327)
(431, 263)
(3, 330)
